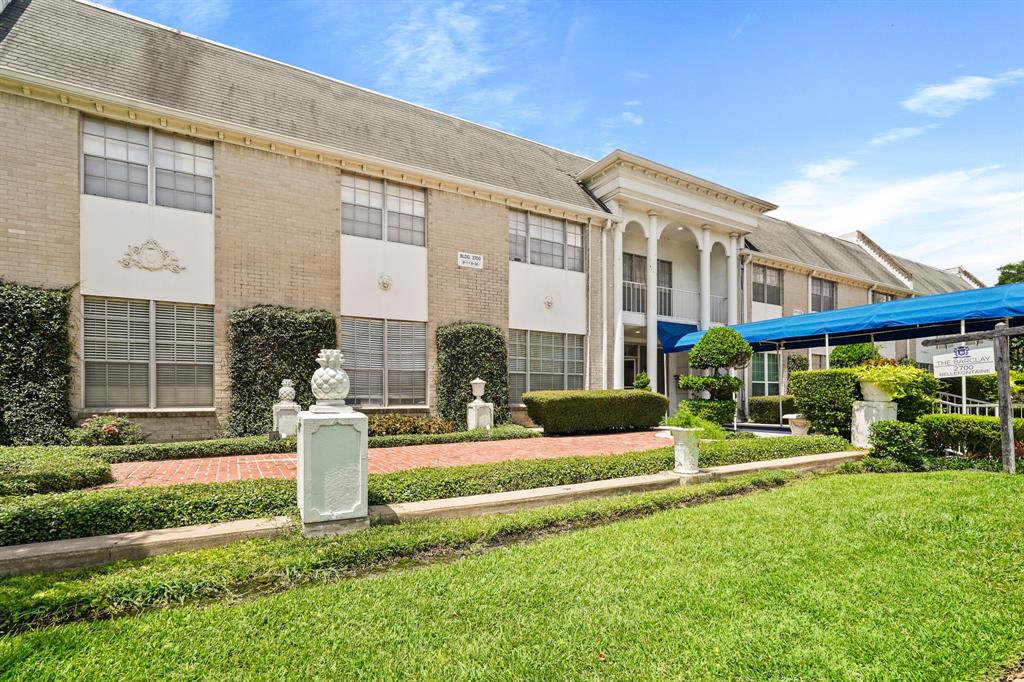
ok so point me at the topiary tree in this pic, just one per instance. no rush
(852, 355)
(642, 382)
(465, 351)
(269, 343)
(719, 350)
(35, 370)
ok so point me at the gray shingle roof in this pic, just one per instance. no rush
(929, 280)
(791, 242)
(91, 47)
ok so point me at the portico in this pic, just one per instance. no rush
(676, 243)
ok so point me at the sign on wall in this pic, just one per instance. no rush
(471, 260)
(965, 361)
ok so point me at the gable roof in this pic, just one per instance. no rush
(782, 239)
(93, 47)
(929, 280)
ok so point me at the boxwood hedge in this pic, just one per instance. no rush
(34, 367)
(465, 351)
(35, 469)
(268, 344)
(722, 452)
(561, 412)
(718, 411)
(975, 436)
(764, 409)
(825, 396)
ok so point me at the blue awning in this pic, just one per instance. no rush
(669, 333)
(908, 318)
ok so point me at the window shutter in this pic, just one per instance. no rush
(362, 342)
(116, 352)
(184, 355)
(407, 363)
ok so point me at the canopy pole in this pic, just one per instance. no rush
(828, 362)
(963, 379)
(779, 356)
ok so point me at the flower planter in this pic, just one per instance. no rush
(687, 447)
(874, 393)
(799, 425)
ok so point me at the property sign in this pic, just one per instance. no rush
(965, 361)
(471, 260)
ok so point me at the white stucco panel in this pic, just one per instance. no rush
(546, 299)
(764, 311)
(383, 279)
(177, 265)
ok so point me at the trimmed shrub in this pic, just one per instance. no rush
(764, 409)
(59, 516)
(500, 432)
(796, 363)
(642, 382)
(106, 430)
(717, 411)
(34, 469)
(897, 440)
(986, 386)
(975, 436)
(595, 411)
(268, 344)
(406, 424)
(683, 418)
(465, 351)
(34, 369)
(852, 355)
(719, 387)
(720, 453)
(189, 449)
(825, 396)
(720, 347)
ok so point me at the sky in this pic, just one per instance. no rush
(901, 119)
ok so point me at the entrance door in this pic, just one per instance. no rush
(629, 372)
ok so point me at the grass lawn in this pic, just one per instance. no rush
(904, 576)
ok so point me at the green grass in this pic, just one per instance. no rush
(906, 576)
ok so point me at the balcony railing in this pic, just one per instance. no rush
(672, 302)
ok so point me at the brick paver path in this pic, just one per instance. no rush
(221, 469)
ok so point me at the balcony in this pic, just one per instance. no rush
(672, 303)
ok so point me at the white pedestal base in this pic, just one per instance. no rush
(332, 469)
(286, 418)
(479, 415)
(686, 444)
(866, 413)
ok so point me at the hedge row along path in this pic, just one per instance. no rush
(382, 460)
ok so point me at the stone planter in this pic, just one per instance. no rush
(687, 447)
(799, 425)
(873, 393)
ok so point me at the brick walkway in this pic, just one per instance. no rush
(382, 460)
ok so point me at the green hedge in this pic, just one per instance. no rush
(503, 432)
(465, 351)
(986, 386)
(825, 396)
(394, 424)
(717, 411)
(973, 435)
(33, 469)
(764, 409)
(722, 452)
(892, 439)
(595, 411)
(34, 369)
(268, 344)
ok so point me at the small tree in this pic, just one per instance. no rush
(718, 351)
(852, 355)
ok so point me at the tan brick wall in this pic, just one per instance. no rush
(594, 272)
(459, 223)
(794, 292)
(278, 239)
(849, 295)
(174, 426)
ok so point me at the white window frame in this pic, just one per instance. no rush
(762, 359)
(566, 374)
(151, 168)
(882, 297)
(384, 211)
(151, 362)
(566, 245)
(385, 369)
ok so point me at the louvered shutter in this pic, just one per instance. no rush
(407, 363)
(184, 355)
(116, 352)
(362, 343)
(516, 365)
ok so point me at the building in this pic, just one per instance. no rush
(173, 180)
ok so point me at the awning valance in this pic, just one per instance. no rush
(907, 318)
(669, 333)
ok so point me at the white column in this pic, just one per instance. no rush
(705, 279)
(618, 356)
(604, 304)
(734, 280)
(652, 299)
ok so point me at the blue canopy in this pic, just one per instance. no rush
(669, 333)
(907, 318)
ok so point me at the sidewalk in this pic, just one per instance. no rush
(382, 460)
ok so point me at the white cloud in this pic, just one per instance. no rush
(630, 117)
(948, 99)
(631, 103)
(193, 16)
(735, 33)
(831, 169)
(897, 134)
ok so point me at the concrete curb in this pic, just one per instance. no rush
(60, 555)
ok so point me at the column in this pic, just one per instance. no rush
(618, 354)
(652, 299)
(734, 280)
(705, 279)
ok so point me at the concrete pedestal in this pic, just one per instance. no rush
(686, 444)
(332, 470)
(866, 413)
(286, 418)
(480, 415)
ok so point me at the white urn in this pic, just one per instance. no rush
(330, 382)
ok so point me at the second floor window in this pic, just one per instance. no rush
(126, 162)
(547, 241)
(767, 285)
(881, 297)
(369, 204)
(634, 269)
(823, 295)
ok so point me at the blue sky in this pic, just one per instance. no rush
(901, 119)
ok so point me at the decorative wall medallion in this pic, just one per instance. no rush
(149, 255)
(549, 302)
(384, 282)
